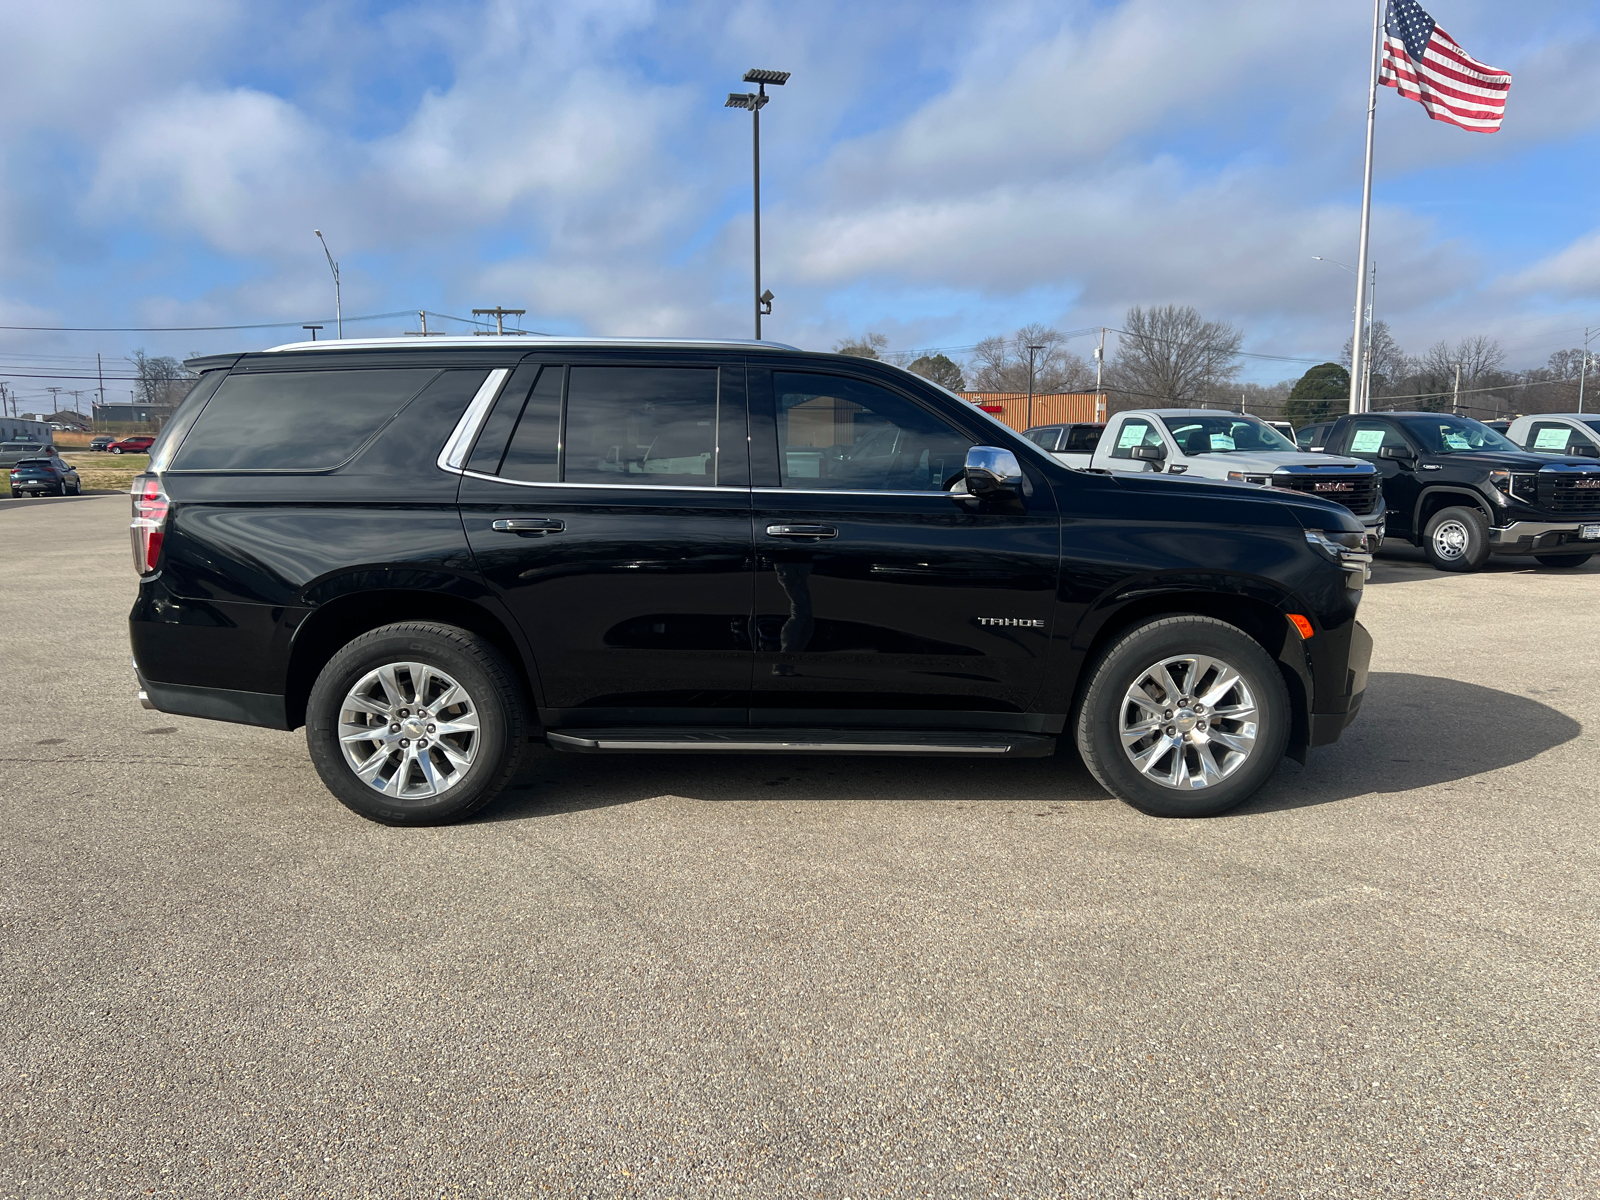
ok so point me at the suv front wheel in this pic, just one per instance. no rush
(1184, 717)
(416, 724)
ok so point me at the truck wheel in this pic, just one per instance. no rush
(1183, 717)
(1457, 539)
(1561, 560)
(416, 724)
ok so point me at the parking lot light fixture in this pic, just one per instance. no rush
(338, 310)
(754, 102)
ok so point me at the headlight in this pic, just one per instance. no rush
(1349, 550)
(1246, 477)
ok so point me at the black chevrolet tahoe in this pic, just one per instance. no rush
(435, 554)
(1462, 492)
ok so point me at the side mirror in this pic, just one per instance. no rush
(1584, 449)
(1155, 454)
(1396, 453)
(991, 471)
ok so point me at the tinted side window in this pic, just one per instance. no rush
(845, 434)
(1134, 433)
(536, 442)
(640, 425)
(1048, 437)
(295, 420)
(1083, 438)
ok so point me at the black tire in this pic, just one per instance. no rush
(497, 746)
(1457, 539)
(1099, 718)
(1561, 560)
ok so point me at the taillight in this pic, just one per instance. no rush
(149, 522)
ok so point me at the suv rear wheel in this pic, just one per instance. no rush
(1184, 717)
(1457, 539)
(416, 724)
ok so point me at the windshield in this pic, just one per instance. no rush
(1456, 435)
(1225, 433)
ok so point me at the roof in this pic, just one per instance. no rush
(529, 341)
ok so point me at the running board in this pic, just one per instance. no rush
(801, 741)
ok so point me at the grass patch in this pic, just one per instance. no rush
(108, 471)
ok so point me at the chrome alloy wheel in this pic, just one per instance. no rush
(1450, 539)
(409, 731)
(1188, 722)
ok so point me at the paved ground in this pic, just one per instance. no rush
(791, 978)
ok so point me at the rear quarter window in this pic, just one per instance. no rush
(295, 420)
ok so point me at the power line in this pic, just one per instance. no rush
(295, 324)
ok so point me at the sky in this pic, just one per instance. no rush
(935, 172)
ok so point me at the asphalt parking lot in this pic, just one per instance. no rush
(823, 977)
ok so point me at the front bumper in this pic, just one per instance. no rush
(1327, 726)
(1541, 537)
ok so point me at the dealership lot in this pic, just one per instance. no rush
(683, 976)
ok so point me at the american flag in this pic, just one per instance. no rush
(1423, 62)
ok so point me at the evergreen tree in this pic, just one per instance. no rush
(1320, 393)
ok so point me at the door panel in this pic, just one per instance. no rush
(876, 589)
(1401, 487)
(629, 565)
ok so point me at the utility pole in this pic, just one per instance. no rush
(55, 397)
(423, 317)
(1032, 350)
(313, 329)
(338, 309)
(1099, 374)
(499, 314)
(1455, 399)
(100, 374)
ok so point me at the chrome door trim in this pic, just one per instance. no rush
(784, 491)
(625, 487)
(454, 455)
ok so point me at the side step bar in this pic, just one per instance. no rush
(801, 741)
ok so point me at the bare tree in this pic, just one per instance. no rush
(160, 382)
(1390, 366)
(1171, 354)
(1479, 357)
(868, 345)
(1000, 364)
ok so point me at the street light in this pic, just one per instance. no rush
(338, 311)
(755, 101)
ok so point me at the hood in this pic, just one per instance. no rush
(1508, 460)
(1310, 512)
(1267, 461)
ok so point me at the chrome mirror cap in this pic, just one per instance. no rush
(996, 462)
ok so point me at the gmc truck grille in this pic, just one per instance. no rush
(1358, 493)
(1570, 492)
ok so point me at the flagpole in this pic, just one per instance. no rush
(1358, 396)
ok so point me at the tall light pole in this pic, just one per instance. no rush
(1032, 350)
(755, 101)
(1583, 367)
(1099, 375)
(338, 309)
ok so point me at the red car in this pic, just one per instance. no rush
(133, 445)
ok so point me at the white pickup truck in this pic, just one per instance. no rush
(1230, 447)
(1558, 433)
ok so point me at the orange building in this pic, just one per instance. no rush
(1049, 408)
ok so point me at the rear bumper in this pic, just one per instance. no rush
(213, 704)
(1326, 727)
(1541, 537)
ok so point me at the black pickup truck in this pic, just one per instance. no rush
(1462, 492)
(433, 554)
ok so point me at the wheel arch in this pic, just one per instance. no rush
(1250, 611)
(1442, 496)
(332, 625)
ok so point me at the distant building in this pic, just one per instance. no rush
(1049, 408)
(132, 414)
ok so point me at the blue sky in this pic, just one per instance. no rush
(936, 173)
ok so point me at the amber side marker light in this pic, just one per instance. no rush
(1301, 626)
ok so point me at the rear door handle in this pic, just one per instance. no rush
(530, 526)
(802, 531)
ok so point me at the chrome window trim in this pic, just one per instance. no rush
(628, 487)
(781, 491)
(454, 455)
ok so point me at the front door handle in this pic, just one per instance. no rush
(529, 526)
(802, 531)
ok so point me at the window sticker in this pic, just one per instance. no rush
(1366, 441)
(1221, 441)
(1454, 441)
(1132, 435)
(1551, 438)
